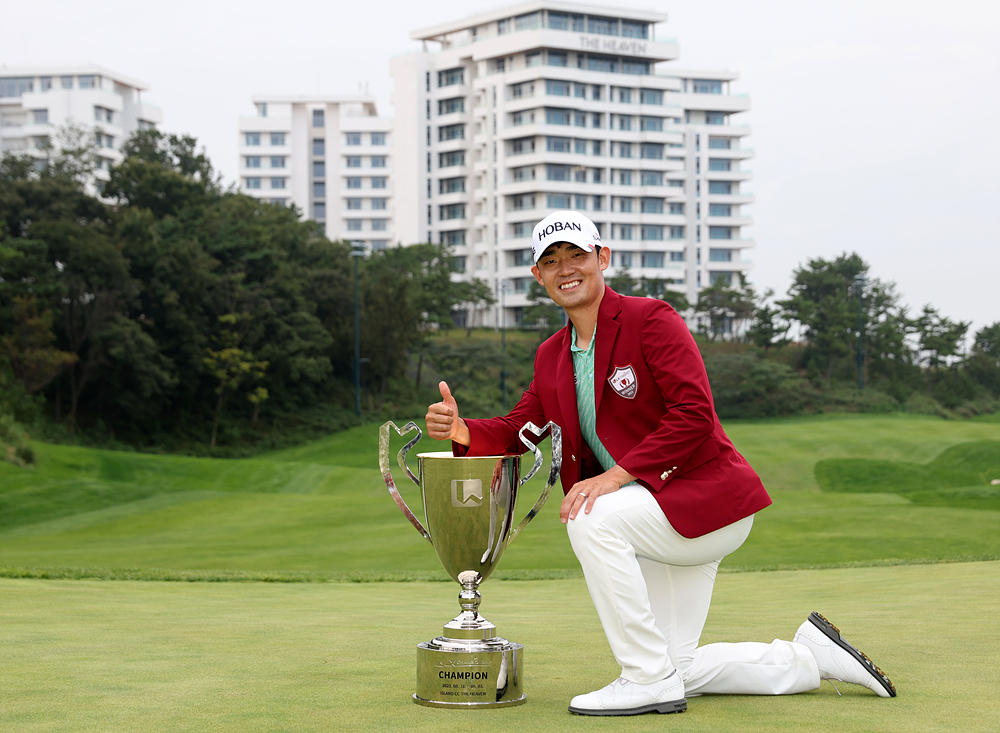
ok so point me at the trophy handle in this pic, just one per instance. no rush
(383, 464)
(556, 432)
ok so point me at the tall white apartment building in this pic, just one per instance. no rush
(508, 115)
(329, 156)
(34, 102)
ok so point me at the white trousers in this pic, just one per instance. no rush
(652, 588)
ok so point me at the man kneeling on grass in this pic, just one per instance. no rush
(665, 495)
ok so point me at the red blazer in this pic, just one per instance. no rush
(655, 415)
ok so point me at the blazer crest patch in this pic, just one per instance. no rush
(624, 382)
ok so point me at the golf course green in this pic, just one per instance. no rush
(875, 523)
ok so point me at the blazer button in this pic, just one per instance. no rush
(674, 468)
(573, 457)
(663, 476)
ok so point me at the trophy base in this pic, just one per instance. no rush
(467, 673)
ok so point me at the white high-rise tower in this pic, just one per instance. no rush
(510, 114)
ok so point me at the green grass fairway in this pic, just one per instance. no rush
(81, 656)
(322, 508)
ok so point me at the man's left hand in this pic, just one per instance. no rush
(584, 493)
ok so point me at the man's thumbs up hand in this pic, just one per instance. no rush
(443, 422)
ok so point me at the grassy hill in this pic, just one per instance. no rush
(322, 510)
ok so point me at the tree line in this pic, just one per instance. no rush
(170, 313)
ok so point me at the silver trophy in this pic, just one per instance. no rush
(469, 511)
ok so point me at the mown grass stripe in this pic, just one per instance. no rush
(248, 576)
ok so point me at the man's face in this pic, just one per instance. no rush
(571, 276)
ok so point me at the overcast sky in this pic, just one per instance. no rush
(876, 124)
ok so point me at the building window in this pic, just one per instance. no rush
(651, 151)
(379, 181)
(451, 132)
(652, 259)
(651, 96)
(720, 210)
(319, 146)
(522, 229)
(623, 258)
(652, 232)
(319, 118)
(378, 138)
(454, 238)
(720, 143)
(677, 232)
(558, 21)
(253, 183)
(720, 255)
(557, 88)
(277, 161)
(723, 187)
(625, 231)
(379, 204)
(651, 206)
(66, 82)
(607, 64)
(676, 256)
(624, 205)
(354, 225)
(252, 139)
(602, 26)
(624, 122)
(379, 244)
(676, 208)
(558, 172)
(625, 178)
(720, 232)
(451, 211)
(40, 116)
(558, 201)
(278, 202)
(380, 225)
(277, 183)
(88, 81)
(352, 138)
(715, 118)
(624, 95)
(253, 161)
(277, 138)
(558, 58)
(319, 169)
(533, 58)
(354, 204)
(598, 203)
(719, 164)
(523, 202)
(353, 161)
(558, 116)
(633, 29)
(451, 185)
(447, 160)
(353, 182)
(624, 150)
(558, 144)
(319, 189)
(597, 120)
(706, 86)
(450, 106)
(450, 77)
(45, 83)
(720, 278)
(651, 124)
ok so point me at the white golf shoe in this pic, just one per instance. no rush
(838, 660)
(623, 697)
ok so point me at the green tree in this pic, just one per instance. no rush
(543, 314)
(984, 360)
(474, 297)
(820, 299)
(727, 307)
(232, 366)
(622, 281)
(940, 337)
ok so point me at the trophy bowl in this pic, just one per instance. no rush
(469, 505)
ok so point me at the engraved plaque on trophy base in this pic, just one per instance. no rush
(455, 673)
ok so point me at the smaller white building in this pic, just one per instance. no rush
(34, 102)
(329, 156)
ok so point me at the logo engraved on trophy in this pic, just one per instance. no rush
(469, 529)
(463, 491)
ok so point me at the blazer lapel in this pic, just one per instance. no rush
(566, 394)
(607, 332)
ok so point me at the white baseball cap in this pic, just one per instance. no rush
(564, 226)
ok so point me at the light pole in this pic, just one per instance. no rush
(859, 282)
(357, 251)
